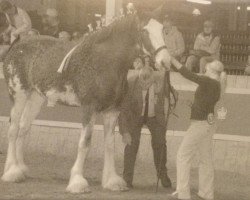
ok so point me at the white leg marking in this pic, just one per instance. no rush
(12, 172)
(31, 110)
(110, 179)
(78, 184)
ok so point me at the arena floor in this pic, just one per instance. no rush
(49, 177)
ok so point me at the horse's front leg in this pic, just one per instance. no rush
(110, 179)
(77, 183)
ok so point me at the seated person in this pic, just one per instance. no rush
(33, 32)
(173, 38)
(144, 104)
(206, 48)
(18, 20)
(65, 36)
(76, 36)
(51, 23)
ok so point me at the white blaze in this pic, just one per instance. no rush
(155, 30)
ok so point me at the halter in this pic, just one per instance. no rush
(159, 50)
(152, 51)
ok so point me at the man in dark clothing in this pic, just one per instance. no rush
(145, 104)
(199, 136)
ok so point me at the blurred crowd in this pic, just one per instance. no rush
(15, 23)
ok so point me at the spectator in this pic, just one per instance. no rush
(76, 36)
(51, 24)
(65, 36)
(138, 63)
(173, 38)
(144, 104)
(148, 62)
(33, 32)
(18, 20)
(206, 48)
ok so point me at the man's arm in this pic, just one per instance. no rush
(188, 74)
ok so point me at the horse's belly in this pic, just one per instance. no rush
(67, 96)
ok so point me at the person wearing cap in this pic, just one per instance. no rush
(17, 18)
(199, 136)
(51, 23)
(173, 38)
(206, 48)
(144, 104)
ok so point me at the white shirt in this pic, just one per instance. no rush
(152, 101)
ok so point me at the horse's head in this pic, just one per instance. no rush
(152, 39)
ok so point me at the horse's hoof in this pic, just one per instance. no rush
(116, 183)
(14, 174)
(78, 185)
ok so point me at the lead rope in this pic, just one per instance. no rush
(166, 81)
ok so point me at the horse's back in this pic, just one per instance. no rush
(35, 58)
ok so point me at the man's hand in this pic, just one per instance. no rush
(176, 63)
(126, 138)
(14, 34)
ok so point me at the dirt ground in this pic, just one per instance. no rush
(49, 177)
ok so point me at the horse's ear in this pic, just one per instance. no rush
(159, 12)
(144, 18)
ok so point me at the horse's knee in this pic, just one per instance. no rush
(85, 140)
(13, 131)
(23, 129)
(109, 144)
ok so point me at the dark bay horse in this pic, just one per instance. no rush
(95, 79)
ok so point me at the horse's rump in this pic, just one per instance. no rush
(35, 60)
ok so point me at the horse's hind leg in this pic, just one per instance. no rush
(31, 110)
(110, 179)
(12, 173)
(78, 184)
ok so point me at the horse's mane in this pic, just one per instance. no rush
(121, 25)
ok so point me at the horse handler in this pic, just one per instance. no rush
(199, 136)
(144, 104)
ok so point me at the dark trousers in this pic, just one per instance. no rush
(158, 142)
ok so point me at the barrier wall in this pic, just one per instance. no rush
(237, 99)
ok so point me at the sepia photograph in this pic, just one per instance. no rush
(125, 99)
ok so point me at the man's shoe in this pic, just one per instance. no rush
(165, 181)
(130, 185)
